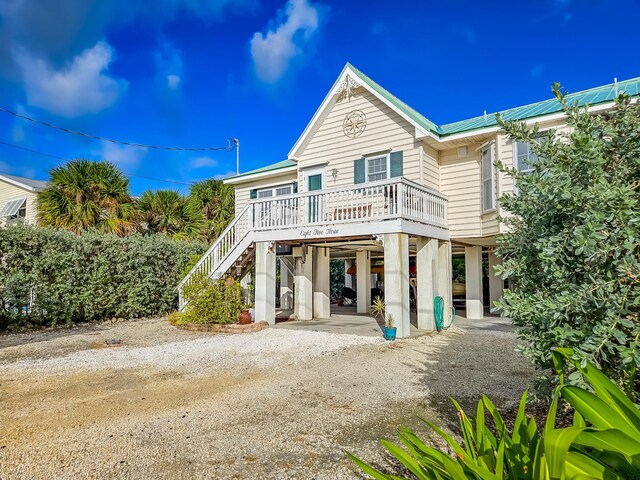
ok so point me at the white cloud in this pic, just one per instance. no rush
(173, 81)
(168, 60)
(127, 158)
(273, 52)
(81, 87)
(200, 162)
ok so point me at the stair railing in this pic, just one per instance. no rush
(228, 240)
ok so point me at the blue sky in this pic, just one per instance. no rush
(195, 73)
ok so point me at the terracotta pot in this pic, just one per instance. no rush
(245, 317)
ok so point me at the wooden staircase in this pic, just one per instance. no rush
(233, 251)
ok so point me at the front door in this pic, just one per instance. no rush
(315, 181)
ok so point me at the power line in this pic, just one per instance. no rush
(228, 148)
(66, 159)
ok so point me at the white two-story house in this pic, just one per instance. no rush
(372, 181)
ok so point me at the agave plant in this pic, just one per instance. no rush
(603, 443)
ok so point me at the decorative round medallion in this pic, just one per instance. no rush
(354, 124)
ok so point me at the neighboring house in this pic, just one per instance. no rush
(18, 199)
(375, 183)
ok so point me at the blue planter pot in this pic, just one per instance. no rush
(390, 333)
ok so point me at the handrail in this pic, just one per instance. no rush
(394, 198)
(212, 250)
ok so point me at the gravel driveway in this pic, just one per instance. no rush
(272, 404)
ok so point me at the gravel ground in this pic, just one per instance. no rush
(272, 404)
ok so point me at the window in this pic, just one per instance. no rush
(14, 210)
(377, 168)
(525, 159)
(488, 179)
(275, 191)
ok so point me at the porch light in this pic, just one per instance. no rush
(334, 174)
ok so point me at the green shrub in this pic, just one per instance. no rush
(573, 251)
(52, 276)
(604, 441)
(211, 301)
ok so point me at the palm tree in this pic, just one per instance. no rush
(169, 212)
(83, 194)
(216, 202)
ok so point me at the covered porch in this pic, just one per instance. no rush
(293, 281)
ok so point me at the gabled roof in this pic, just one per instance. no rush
(594, 96)
(25, 183)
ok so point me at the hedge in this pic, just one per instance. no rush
(52, 276)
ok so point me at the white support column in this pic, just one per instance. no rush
(427, 262)
(496, 284)
(321, 300)
(473, 281)
(286, 287)
(363, 281)
(303, 284)
(265, 282)
(445, 277)
(396, 281)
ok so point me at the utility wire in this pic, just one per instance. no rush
(228, 148)
(65, 159)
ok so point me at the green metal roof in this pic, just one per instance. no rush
(268, 168)
(593, 96)
(420, 119)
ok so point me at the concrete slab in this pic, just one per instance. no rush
(343, 320)
(347, 321)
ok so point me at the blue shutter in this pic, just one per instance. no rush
(396, 164)
(358, 171)
(253, 193)
(295, 187)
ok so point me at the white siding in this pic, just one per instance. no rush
(10, 192)
(243, 191)
(430, 167)
(385, 130)
(460, 181)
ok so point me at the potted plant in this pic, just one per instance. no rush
(378, 309)
(389, 329)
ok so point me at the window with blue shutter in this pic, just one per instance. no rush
(359, 171)
(395, 164)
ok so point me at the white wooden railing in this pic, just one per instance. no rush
(372, 202)
(396, 198)
(223, 247)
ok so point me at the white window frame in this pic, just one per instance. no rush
(386, 156)
(273, 191)
(310, 172)
(490, 148)
(516, 162)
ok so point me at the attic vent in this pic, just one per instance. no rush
(462, 152)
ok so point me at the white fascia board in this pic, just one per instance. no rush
(18, 184)
(496, 128)
(332, 92)
(259, 175)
